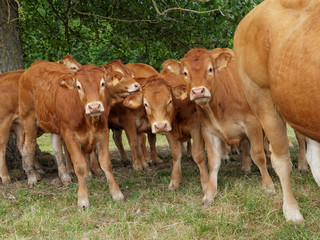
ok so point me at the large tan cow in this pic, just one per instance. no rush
(277, 49)
(74, 105)
(213, 84)
(170, 112)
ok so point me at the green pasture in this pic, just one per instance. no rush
(242, 209)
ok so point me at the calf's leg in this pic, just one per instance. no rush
(176, 152)
(56, 142)
(105, 163)
(213, 145)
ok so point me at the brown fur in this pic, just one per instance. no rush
(277, 51)
(223, 110)
(45, 98)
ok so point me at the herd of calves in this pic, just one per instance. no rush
(198, 98)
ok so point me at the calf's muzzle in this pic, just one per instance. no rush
(94, 108)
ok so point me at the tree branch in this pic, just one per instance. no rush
(186, 10)
(115, 19)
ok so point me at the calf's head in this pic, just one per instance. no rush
(70, 62)
(120, 80)
(198, 68)
(90, 83)
(158, 98)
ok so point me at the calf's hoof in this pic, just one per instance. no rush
(32, 179)
(137, 167)
(246, 169)
(226, 160)
(40, 171)
(65, 179)
(157, 161)
(83, 203)
(6, 180)
(303, 169)
(117, 196)
(270, 189)
(98, 172)
(207, 201)
(173, 186)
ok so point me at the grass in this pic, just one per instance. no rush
(242, 209)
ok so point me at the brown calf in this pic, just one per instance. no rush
(134, 122)
(74, 105)
(171, 113)
(9, 119)
(213, 84)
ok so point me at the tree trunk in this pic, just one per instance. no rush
(10, 39)
(10, 59)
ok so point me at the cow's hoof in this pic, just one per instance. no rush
(292, 214)
(6, 180)
(40, 171)
(173, 186)
(32, 179)
(83, 203)
(303, 169)
(117, 196)
(207, 201)
(65, 179)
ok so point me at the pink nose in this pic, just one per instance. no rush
(94, 107)
(198, 92)
(136, 86)
(160, 127)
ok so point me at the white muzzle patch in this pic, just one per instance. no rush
(94, 108)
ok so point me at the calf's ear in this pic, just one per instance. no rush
(222, 60)
(180, 92)
(67, 82)
(172, 66)
(133, 101)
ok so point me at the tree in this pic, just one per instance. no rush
(10, 59)
(10, 40)
(133, 31)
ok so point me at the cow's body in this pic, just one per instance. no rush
(225, 115)
(277, 50)
(74, 105)
(171, 113)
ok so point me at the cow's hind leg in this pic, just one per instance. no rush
(261, 103)
(56, 142)
(245, 157)
(302, 161)
(117, 138)
(313, 158)
(4, 132)
(255, 135)
(152, 139)
(29, 148)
